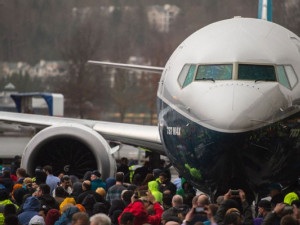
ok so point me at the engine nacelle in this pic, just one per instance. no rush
(69, 148)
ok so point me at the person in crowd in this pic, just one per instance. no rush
(66, 183)
(67, 202)
(186, 188)
(177, 207)
(60, 194)
(166, 184)
(11, 220)
(264, 207)
(124, 167)
(137, 208)
(143, 171)
(80, 218)
(211, 211)
(167, 199)
(21, 174)
(87, 190)
(31, 208)
(4, 201)
(52, 181)
(198, 213)
(77, 189)
(100, 219)
(154, 188)
(231, 212)
(15, 164)
(96, 181)
(127, 218)
(144, 184)
(111, 181)
(275, 193)
(52, 216)
(37, 220)
(115, 191)
(47, 201)
(40, 176)
(101, 192)
(66, 217)
(7, 181)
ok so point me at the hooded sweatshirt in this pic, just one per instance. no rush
(30, 209)
(66, 217)
(154, 188)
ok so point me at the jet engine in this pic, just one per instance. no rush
(69, 148)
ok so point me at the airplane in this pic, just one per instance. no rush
(228, 113)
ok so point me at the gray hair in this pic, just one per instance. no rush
(100, 219)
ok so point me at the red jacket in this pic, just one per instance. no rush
(141, 215)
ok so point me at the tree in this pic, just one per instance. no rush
(80, 46)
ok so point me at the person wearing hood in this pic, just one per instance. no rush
(66, 217)
(47, 201)
(153, 186)
(4, 200)
(31, 208)
(186, 188)
(137, 208)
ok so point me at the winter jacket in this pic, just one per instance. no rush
(30, 208)
(141, 215)
(154, 188)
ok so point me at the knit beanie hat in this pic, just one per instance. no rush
(52, 216)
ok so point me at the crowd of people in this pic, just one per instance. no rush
(146, 196)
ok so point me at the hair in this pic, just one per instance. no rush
(126, 195)
(167, 199)
(120, 176)
(82, 217)
(87, 184)
(126, 216)
(21, 172)
(9, 209)
(45, 188)
(64, 178)
(163, 175)
(48, 168)
(6, 174)
(100, 219)
(177, 199)
(61, 192)
(288, 220)
(213, 208)
(11, 220)
(203, 199)
(232, 217)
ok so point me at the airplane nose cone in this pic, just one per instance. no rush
(240, 106)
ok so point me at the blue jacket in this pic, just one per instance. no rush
(66, 217)
(31, 208)
(98, 183)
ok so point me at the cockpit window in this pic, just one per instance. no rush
(214, 72)
(291, 75)
(282, 78)
(190, 76)
(256, 72)
(183, 74)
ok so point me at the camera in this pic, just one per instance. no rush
(288, 209)
(199, 210)
(235, 192)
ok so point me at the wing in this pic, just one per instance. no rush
(152, 69)
(74, 146)
(132, 134)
